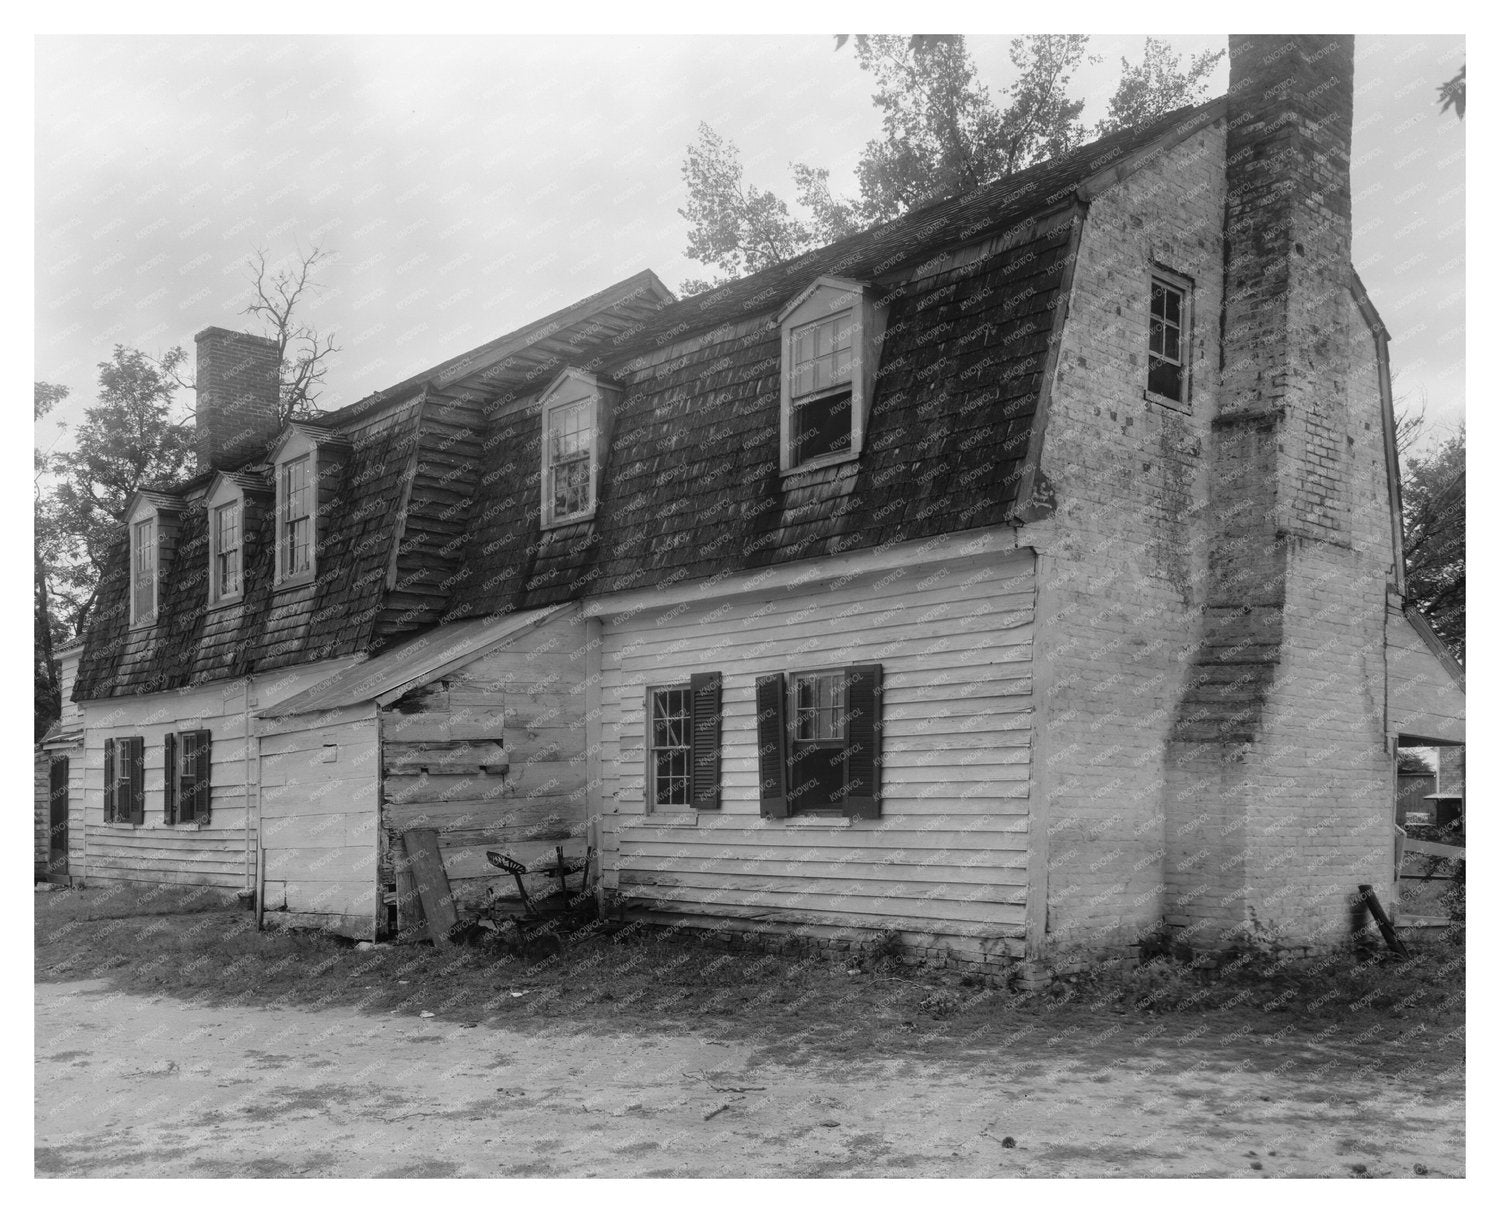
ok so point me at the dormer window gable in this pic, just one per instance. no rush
(151, 524)
(234, 503)
(830, 345)
(576, 411)
(306, 461)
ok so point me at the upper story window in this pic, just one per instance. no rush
(151, 522)
(143, 571)
(575, 413)
(296, 494)
(1169, 338)
(226, 548)
(830, 336)
(235, 502)
(307, 459)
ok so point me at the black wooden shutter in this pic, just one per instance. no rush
(200, 742)
(770, 721)
(706, 691)
(863, 767)
(169, 799)
(111, 800)
(137, 802)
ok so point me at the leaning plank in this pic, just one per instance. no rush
(432, 883)
(411, 923)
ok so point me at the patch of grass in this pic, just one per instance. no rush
(644, 979)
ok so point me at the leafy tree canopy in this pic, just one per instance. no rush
(1432, 506)
(943, 132)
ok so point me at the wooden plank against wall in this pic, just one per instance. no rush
(432, 884)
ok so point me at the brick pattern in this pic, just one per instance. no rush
(238, 383)
(1121, 564)
(1280, 789)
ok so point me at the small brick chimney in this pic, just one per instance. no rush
(1279, 773)
(238, 386)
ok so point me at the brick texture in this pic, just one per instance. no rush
(238, 386)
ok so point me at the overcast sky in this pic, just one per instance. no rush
(470, 185)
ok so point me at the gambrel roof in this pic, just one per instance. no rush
(439, 490)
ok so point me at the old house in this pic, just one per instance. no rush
(1023, 571)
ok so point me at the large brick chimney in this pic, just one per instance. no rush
(1278, 769)
(238, 385)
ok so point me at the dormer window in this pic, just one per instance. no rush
(225, 541)
(143, 572)
(151, 522)
(575, 413)
(307, 459)
(235, 504)
(295, 493)
(830, 337)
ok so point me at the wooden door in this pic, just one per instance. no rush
(57, 857)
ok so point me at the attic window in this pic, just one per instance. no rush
(1169, 339)
(296, 496)
(575, 413)
(225, 541)
(143, 555)
(830, 336)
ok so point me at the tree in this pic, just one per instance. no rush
(1156, 85)
(47, 702)
(943, 134)
(1432, 506)
(134, 438)
(1451, 93)
(279, 292)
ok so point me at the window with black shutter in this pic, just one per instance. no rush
(125, 779)
(187, 767)
(819, 735)
(683, 725)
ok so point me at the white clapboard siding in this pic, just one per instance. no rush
(320, 780)
(949, 854)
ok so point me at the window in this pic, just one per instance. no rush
(683, 724)
(295, 495)
(226, 550)
(568, 446)
(829, 346)
(669, 766)
(575, 413)
(820, 734)
(143, 571)
(1168, 341)
(187, 761)
(125, 780)
(822, 366)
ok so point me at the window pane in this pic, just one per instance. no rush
(1173, 303)
(1165, 379)
(821, 426)
(671, 737)
(570, 488)
(822, 354)
(143, 569)
(1170, 348)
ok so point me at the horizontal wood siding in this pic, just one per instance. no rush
(492, 757)
(217, 855)
(948, 854)
(319, 790)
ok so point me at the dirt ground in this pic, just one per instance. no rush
(133, 1084)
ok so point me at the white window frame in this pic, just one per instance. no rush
(1184, 287)
(829, 298)
(571, 389)
(225, 495)
(139, 619)
(653, 802)
(296, 447)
